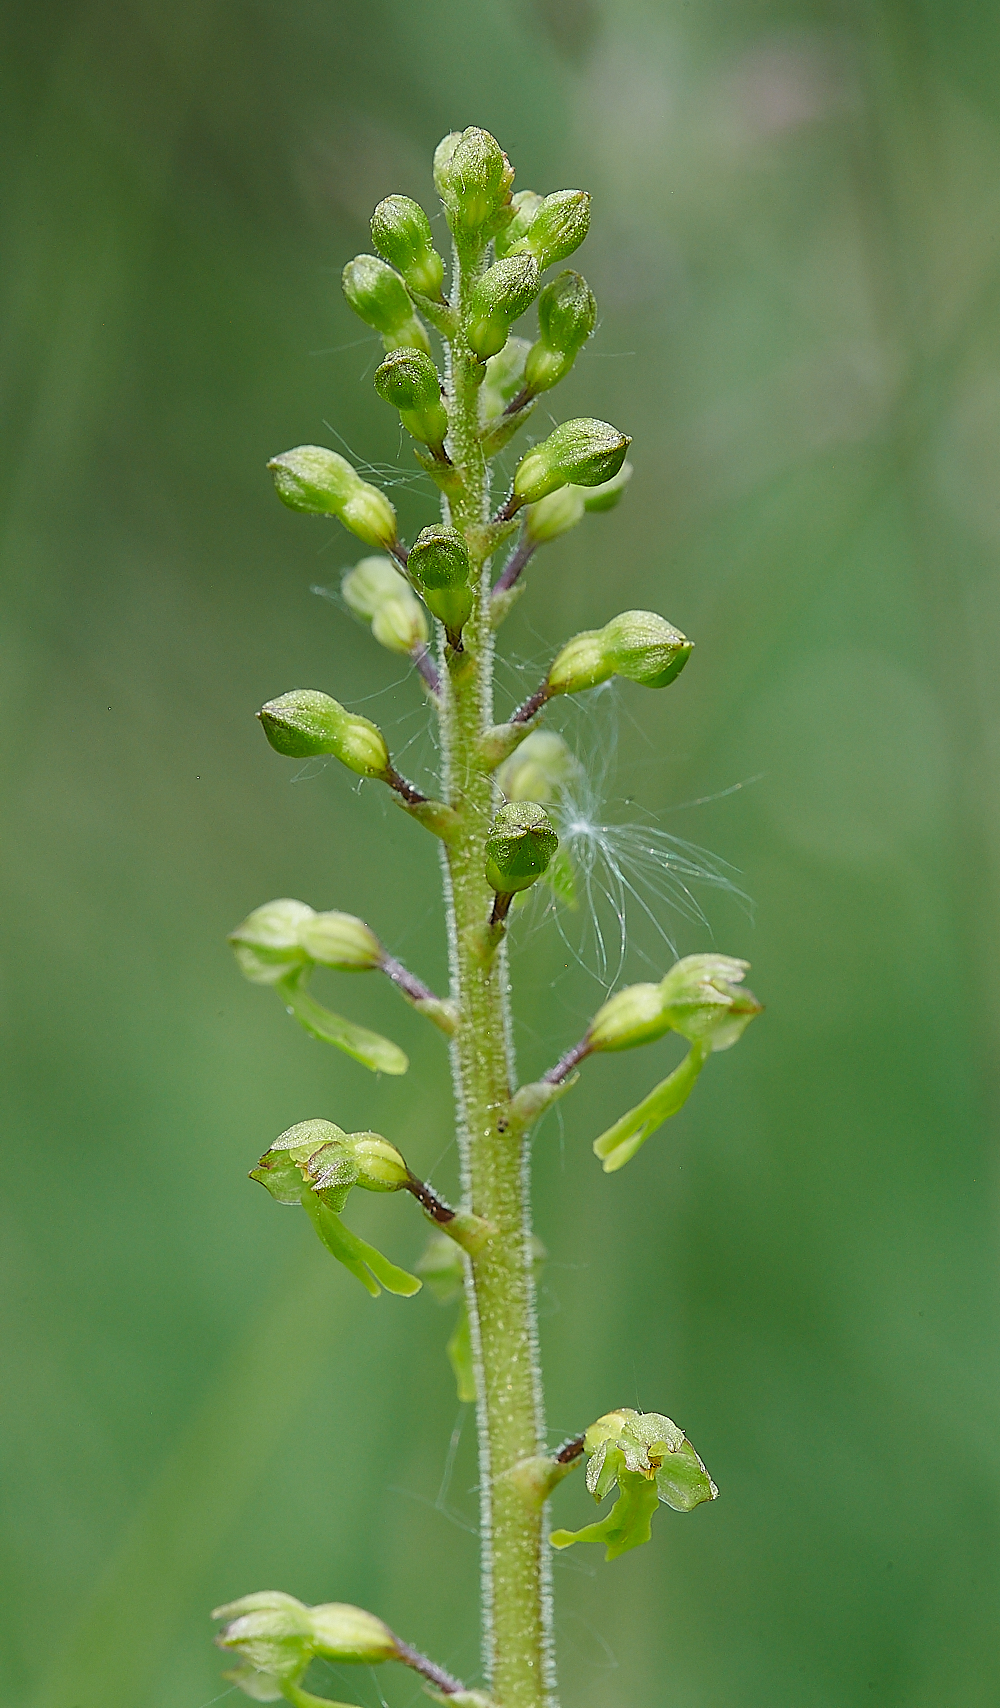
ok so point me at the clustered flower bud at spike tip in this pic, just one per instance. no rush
(401, 232)
(525, 204)
(540, 768)
(559, 226)
(503, 293)
(379, 297)
(584, 453)
(440, 566)
(409, 381)
(305, 723)
(473, 176)
(638, 645)
(567, 315)
(519, 846)
(377, 593)
(322, 483)
(701, 998)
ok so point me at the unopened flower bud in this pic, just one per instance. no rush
(525, 204)
(379, 297)
(473, 176)
(305, 722)
(345, 1633)
(341, 941)
(377, 593)
(567, 314)
(440, 566)
(539, 770)
(554, 515)
(503, 293)
(379, 1164)
(558, 227)
(704, 1001)
(583, 452)
(268, 945)
(610, 492)
(519, 845)
(638, 645)
(320, 482)
(270, 1631)
(504, 377)
(401, 232)
(409, 381)
(635, 1015)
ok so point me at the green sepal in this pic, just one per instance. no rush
(369, 1048)
(626, 1526)
(361, 1259)
(459, 1350)
(619, 1144)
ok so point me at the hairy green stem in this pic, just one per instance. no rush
(500, 1289)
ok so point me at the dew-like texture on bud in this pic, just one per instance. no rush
(540, 769)
(341, 941)
(379, 297)
(567, 315)
(409, 381)
(525, 204)
(706, 1002)
(635, 1015)
(502, 294)
(345, 1633)
(638, 645)
(558, 227)
(305, 723)
(473, 176)
(401, 232)
(584, 452)
(645, 648)
(321, 483)
(440, 565)
(267, 944)
(377, 593)
(519, 845)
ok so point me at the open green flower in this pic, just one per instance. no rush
(651, 1461)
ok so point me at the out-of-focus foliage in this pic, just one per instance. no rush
(795, 265)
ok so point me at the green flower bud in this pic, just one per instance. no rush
(344, 1633)
(320, 482)
(554, 515)
(583, 452)
(635, 1015)
(540, 769)
(271, 1632)
(379, 1164)
(610, 492)
(504, 378)
(567, 314)
(305, 723)
(379, 297)
(401, 232)
(440, 566)
(267, 945)
(503, 293)
(559, 226)
(341, 941)
(525, 204)
(377, 593)
(473, 177)
(700, 998)
(705, 1004)
(638, 645)
(409, 381)
(519, 845)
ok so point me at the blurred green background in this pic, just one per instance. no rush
(795, 254)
